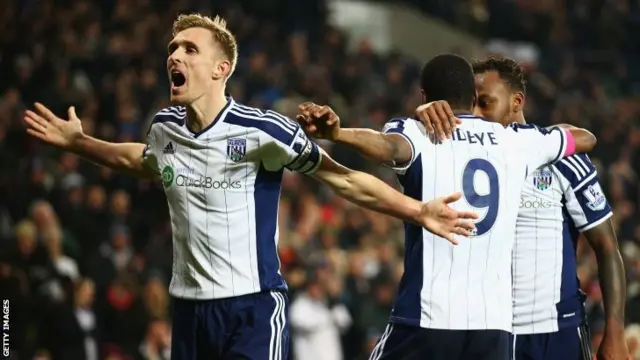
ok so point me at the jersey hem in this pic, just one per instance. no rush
(551, 328)
(417, 323)
(204, 296)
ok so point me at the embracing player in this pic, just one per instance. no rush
(557, 204)
(454, 303)
(221, 165)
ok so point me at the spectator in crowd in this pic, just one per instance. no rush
(78, 237)
(318, 318)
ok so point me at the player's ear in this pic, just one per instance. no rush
(475, 98)
(517, 101)
(221, 69)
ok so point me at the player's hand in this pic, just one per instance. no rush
(612, 347)
(438, 118)
(318, 121)
(46, 126)
(442, 220)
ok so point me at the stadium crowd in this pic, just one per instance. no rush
(85, 253)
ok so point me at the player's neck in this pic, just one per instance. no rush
(202, 112)
(520, 118)
(462, 111)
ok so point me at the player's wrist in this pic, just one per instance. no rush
(75, 144)
(415, 211)
(613, 327)
(340, 135)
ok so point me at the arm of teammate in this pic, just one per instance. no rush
(392, 147)
(591, 213)
(299, 153)
(545, 146)
(131, 158)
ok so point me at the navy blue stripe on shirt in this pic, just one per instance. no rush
(266, 196)
(407, 308)
(265, 124)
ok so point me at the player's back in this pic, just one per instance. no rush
(467, 286)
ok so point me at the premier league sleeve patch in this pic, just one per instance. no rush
(594, 195)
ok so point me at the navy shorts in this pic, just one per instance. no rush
(250, 327)
(401, 342)
(569, 343)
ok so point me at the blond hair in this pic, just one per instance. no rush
(218, 28)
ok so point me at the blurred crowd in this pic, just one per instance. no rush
(85, 253)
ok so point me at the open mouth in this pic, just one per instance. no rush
(177, 78)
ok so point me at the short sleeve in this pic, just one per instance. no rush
(410, 131)
(285, 145)
(586, 202)
(149, 155)
(538, 145)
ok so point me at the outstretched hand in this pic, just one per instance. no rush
(46, 126)
(442, 220)
(318, 121)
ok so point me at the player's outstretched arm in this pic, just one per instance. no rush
(68, 135)
(368, 191)
(322, 122)
(584, 140)
(602, 239)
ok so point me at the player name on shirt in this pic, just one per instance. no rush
(480, 138)
(466, 287)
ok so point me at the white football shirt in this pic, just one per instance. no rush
(467, 287)
(558, 202)
(223, 188)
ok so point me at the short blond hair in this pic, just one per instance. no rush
(217, 26)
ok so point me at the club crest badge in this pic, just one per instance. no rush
(542, 179)
(236, 149)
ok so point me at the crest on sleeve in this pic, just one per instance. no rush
(542, 179)
(595, 197)
(391, 125)
(236, 149)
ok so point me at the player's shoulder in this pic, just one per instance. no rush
(518, 127)
(403, 123)
(575, 168)
(174, 114)
(169, 118)
(266, 121)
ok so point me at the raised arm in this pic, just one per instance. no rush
(390, 147)
(123, 157)
(370, 192)
(284, 144)
(68, 135)
(584, 140)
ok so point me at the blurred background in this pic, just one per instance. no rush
(85, 253)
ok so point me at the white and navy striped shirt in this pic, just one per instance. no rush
(467, 287)
(557, 203)
(223, 187)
